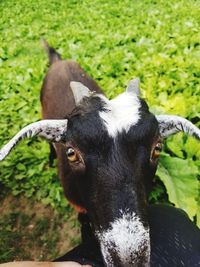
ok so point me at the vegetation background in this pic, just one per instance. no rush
(114, 41)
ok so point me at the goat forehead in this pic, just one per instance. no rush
(120, 113)
(99, 121)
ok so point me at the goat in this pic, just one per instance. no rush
(107, 153)
(174, 239)
(56, 92)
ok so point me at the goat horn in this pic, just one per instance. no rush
(79, 91)
(134, 86)
(52, 130)
(171, 124)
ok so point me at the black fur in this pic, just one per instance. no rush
(52, 155)
(114, 174)
(117, 172)
(52, 53)
(175, 240)
(110, 164)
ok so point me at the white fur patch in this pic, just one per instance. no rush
(121, 113)
(128, 238)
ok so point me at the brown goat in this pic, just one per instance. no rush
(107, 151)
(57, 102)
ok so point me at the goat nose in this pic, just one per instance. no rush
(126, 242)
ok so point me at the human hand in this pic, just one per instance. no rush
(42, 264)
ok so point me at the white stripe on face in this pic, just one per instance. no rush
(121, 113)
(128, 239)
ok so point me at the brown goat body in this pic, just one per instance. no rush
(57, 102)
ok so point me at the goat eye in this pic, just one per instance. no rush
(72, 155)
(156, 151)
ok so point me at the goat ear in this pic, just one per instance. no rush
(134, 87)
(171, 124)
(79, 91)
(52, 130)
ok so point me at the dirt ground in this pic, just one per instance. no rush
(32, 231)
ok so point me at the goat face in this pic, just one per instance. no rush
(111, 149)
(110, 146)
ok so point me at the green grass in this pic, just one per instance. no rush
(114, 41)
(17, 239)
(30, 230)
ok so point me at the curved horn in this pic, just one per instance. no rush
(134, 86)
(171, 124)
(52, 130)
(79, 91)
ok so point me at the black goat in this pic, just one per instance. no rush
(174, 239)
(107, 156)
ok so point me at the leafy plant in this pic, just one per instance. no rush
(157, 41)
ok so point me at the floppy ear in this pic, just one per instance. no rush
(134, 87)
(171, 124)
(52, 130)
(79, 91)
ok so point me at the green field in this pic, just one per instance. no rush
(114, 41)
